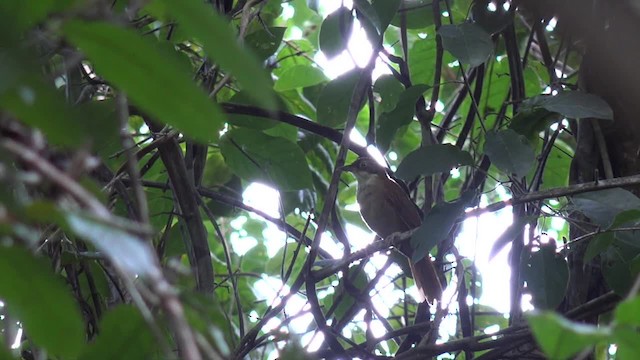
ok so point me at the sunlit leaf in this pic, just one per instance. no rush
(335, 98)
(335, 32)
(401, 115)
(299, 76)
(265, 42)
(560, 338)
(437, 224)
(432, 159)
(389, 89)
(159, 84)
(128, 252)
(41, 302)
(252, 155)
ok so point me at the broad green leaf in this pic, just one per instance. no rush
(418, 13)
(627, 217)
(159, 84)
(597, 245)
(41, 301)
(530, 122)
(369, 20)
(509, 152)
(401, 115)
(202, 22)
(335, 32)
(334, 101)
(123, 335)
(5, 354)
(128, 252)
(389, 89)
(626, 340)
(468, 42)
(265, 42)
(547, 276)
(616, 271)
(422, 57)
(560, 338)
(558, 161)
(437, 224)
(386, 10)
(628, 312)
(432, 159)
(603, 206)
(299, 76)
(577, 104)
(253, 155)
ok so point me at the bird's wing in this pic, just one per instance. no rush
(403, 205)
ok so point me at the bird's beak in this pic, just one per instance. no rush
(346, 168)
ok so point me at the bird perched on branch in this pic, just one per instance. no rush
(386, 208)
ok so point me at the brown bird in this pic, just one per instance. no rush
(386, 208)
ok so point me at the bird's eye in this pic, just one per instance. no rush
(362, 165)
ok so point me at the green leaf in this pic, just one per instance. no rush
(603, 206)
(432, 159)
(253, 155)
(468, 42)
(627, 217)
(389, 89)
(128, 252)
(335, 32)
(509, 152)
(615, 270)
(560, 338)
(254, 122)
(547, 276)
(202, 22)
(437, 224)
(597, 245)
(334, 101)
(265, 42)
(401, 115)
(123, 335)
(299, 76)
(626, 340)
(418, 13)
(422, 57)
(386, 10)
(369, 20)
(155, 81)
(41, 302)
(577, 104)
(628, 312)
(529, 122)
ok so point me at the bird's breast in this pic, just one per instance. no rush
(378, 213)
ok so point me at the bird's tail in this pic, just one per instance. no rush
(427, 280)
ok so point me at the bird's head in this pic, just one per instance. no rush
(365, 168)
